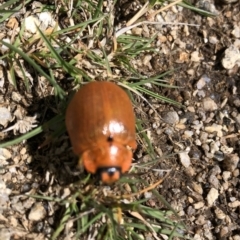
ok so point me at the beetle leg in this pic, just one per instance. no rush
(88, 162)
(132, 144)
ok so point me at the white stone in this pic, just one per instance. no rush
(198, 205)
(209, 104)
(236, 31)
(213, 40)
(3, 47)
(214, 128)
(5, 154)
(212, 196)
(195, 56)
(219, 213)
(226, 175)
(5, 116)
(46, 20)
(231, 57)
(37, 213)
(188, 134)
(185, 159)
(31, 23)
(234, 204)
(201, 83)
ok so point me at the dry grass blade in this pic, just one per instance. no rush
(149, 188)
(141, 218)
(152, 15)
(140, 13)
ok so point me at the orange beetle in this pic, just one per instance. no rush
(101, 126)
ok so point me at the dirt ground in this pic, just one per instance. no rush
(202, 136)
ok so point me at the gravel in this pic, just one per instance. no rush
(203, 135)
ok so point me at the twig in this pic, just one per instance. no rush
(125, 29)
(152, 15)
(146, 189)
(142, 11)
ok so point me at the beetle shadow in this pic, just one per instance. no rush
(52, 161)
(51, 150)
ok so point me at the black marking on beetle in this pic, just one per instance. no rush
(110, 139)
(109, 170)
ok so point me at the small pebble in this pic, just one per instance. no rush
(231, 57)
(234, 204)
(213, 180)
(213, 40)
(170, 117)
(226, 150)
(236, 237)
(31, 24)
(137, 31)
(46, 19)
(5, 154)
(188, 134)
(197, 187)
(219, 213)
(6, 233)
(215, 128)
(185, 159)
(224, 231)
(202, 82)
(5, 116)
(16, 96)
(199, 205)
(215, 170)
(4, 48)
(226, 175)
(236, 31)
(37, 213)
(236, 173)
(195, 57)
(212, 196)
(209, 105)
(231, 161)
(219, 156)
(200, 220)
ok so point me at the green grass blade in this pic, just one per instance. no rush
(186, 4)
(53, 122)
(6, 14)
(37, 67)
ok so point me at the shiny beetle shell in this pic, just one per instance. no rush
(101, 126)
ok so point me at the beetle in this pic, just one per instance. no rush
(101, 125)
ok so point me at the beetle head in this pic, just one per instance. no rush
(109, 161)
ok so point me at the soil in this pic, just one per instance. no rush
(198, 141)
